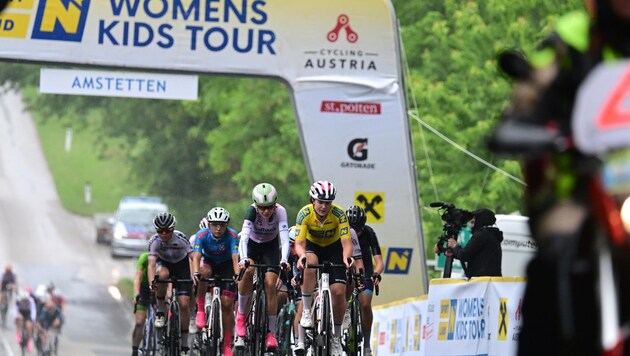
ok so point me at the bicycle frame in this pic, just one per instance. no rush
(257, 317)
(324, 316)
(150, 337)
(212, 334)
(172, 337)
(286, 315)
(354, 334)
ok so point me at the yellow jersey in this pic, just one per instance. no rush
(334, 227)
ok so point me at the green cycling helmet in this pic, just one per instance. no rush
(264, 194)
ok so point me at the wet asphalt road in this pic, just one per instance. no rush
(46, 244)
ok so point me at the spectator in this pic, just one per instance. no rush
(482, 254)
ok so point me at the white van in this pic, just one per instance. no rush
(518, 246)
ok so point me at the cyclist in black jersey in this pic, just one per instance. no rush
(370, 248)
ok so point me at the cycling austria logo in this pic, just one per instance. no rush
(357, 150)
(461, 319)
(59, 20)
(342, 51)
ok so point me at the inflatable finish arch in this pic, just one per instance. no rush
(341, 60)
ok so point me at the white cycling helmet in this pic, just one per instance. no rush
(264, 194)
(203, 224)
(218, 214)
(323, 190)
(292, 234)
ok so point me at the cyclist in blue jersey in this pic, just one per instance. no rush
(216, 253)
(169, 254)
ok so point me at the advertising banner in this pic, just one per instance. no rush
(458, 307)
(504, 303)
(119, 84)
(398, 327)
(340, 59)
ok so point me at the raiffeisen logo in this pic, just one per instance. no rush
(343, 52)
(60, 20)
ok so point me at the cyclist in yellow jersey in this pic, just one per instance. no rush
(323, 234)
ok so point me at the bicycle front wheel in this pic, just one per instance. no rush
(355, 329)
(173, 331)
(215, 329)
(284, 330)
(325, 337)
(260, 325)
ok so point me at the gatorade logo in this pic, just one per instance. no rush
(398, 260)
(343, 23)
(60, 20)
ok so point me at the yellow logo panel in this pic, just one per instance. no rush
(13, 25)
(374, 205)
(503, 320)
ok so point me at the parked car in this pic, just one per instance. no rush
(104, 223)
(133, 224)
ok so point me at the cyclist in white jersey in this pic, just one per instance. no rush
(265, 221)
(170, 254)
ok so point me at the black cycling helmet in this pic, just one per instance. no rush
(164, 221)
(356, 216)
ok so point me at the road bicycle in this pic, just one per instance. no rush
(284, 323)
(171, 339)
(150, 335)
(323, 310)
(4, 307)
(48, 345)
(24, 338)
(353, 335)
(257, 321)
(210, 338)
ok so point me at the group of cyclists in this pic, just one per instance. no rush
(323, 231)
(35, 312)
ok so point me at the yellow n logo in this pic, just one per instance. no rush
(62, 20)
(398, 260)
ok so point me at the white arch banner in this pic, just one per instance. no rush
(341, 60)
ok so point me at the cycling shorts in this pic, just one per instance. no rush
(332, 253)
(181, 270)
(265, 253)
(223, 270)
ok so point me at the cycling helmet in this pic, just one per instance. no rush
(164, 221)
(203, 224)
(292, 234)
(264, 194)
(218, 214)
(323, 190)
(356, 216)
(23, 295)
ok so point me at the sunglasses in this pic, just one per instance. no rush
(163, 231)
(218, 224)
(266, 208)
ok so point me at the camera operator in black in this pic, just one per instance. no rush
(482, 253)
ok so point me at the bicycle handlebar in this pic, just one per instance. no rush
(256, 265)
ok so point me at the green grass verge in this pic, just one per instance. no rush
(125, 286)
(107, 174)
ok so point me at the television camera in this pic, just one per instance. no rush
(454, 220)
